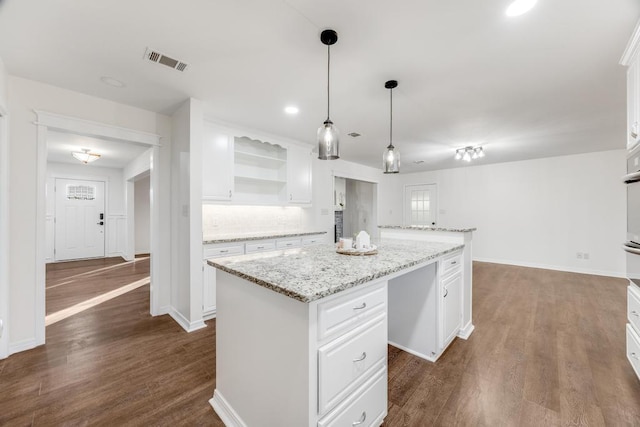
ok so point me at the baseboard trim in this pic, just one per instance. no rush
(184, 323)
(23, 345)
(209, 315)
(415, 353)
(465, 332)
(226, 413)
(163, 310)
(554, 267)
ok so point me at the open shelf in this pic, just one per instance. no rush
(256, 179)
(245, 156)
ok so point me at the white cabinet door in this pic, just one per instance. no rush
(299, 174)
(208, 291)
(217, 163)
(451, 318)
(633, 101)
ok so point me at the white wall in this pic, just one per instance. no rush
(115, 213)
(186, 230)
(24, 96)
(536, 213)
(142, 214)
(4, 211)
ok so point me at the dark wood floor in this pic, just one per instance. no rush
(548, 349)
(68, 283)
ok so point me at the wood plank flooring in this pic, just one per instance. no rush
(548, 350)
(69, 283)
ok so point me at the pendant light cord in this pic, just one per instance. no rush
(391, 119)
(328, 78)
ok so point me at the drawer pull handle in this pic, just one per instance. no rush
(635, 356)
(635, 313)
(224, 252)
(454, 262)
(363, 306)
(361, 358)
(361, 420)
(446, 292)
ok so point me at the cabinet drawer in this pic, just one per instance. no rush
(633, 349)
(346, 312)
(346, 361)
(220, 251)
(314, 240)
(367, 406)
(260, 247)
(288, 243)
(633, 306)
(451, 264)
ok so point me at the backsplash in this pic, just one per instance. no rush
(220, 220)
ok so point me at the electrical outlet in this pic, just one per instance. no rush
(579, 255)
(585, 255)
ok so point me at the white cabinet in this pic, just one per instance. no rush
(451, 305)
(208, 291)
(425, 307)
(633, 101)
(209, 274)
(217, 164)
(299, 175)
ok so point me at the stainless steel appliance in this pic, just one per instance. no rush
(632, 245)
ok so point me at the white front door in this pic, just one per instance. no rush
(79, 221)
(420, 205)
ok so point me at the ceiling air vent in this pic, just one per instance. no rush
(161, 58)
(354, 134)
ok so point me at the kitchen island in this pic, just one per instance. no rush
(458, 235)
(301, 334)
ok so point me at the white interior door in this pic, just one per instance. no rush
(79, 221)
(420, 205)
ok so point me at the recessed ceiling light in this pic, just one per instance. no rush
(519, 7)
(291, 109)
(111, 81)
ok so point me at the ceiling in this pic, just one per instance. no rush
(113, 154)
(543, 84)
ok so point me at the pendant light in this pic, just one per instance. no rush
(328, 134)
(391, 156)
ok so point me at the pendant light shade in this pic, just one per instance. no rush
(328, 134)
(391, 156)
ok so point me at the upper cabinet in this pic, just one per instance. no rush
(299, 175)
(631, 59)
(217, 164)
(260, 172)
(243, 169)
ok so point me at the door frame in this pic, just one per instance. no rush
(44, 122)
(105, 186)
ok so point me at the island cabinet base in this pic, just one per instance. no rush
(283, 362)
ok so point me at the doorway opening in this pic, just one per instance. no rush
(86, 229)
(354, 207)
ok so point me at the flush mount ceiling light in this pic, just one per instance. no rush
(328, 134)
(469, 153)
(291, 110)
(391, 156)
(85, 156)
(520, 7)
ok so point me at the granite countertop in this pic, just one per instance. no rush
(256, 236)
(310, 273)
(426, 228)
